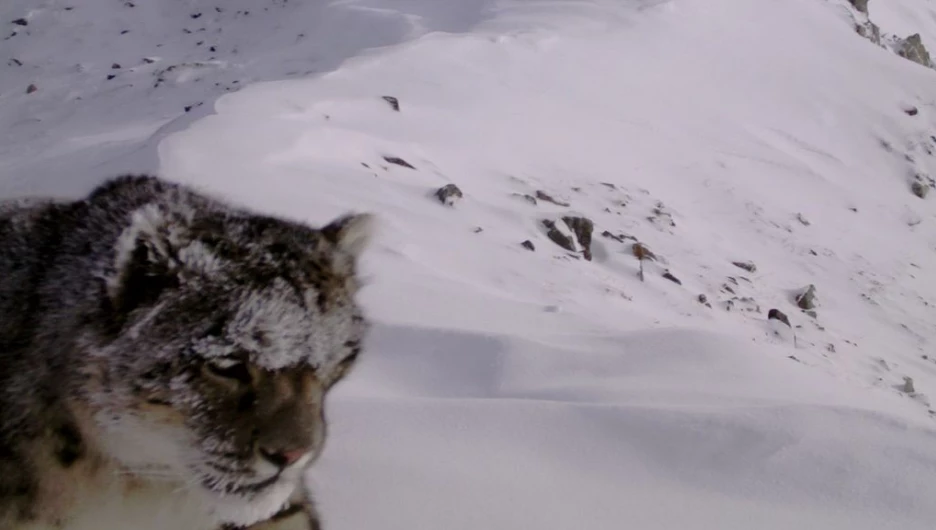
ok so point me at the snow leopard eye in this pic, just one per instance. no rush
(231, 369)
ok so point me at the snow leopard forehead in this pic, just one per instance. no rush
(278, 327)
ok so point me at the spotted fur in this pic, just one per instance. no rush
(165, 357)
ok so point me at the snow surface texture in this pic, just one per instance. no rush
(510, 389)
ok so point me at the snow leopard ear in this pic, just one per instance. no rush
(145, 261)
(350, 233)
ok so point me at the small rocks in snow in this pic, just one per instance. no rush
(746, 265)
(802, 219)
(115, 66)
(448, 194)
(527, 197)
(398, 161)
(31, 88)
(811, 313)
(394, 102)
(15, 62)
(617, 237)
(582, 227)
(704, 300)
(111, 76)
(807, 299)
(911, 111)
(528, 245)
(21, 22)
(149, 60)
(908, 386)
(124, 32)
(543, 196)
(870, 31)
(478, 230)
(669, 276)
(779, 316)
(609, 185)
(912, 49)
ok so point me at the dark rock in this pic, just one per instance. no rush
(528, 245)
(478, 230)
(776, 314)
(911, 111)
(398, 161)
(394, 102)
(543, 196)
(111, 76)
(746, 265)
(149, 60)
(811, 313)
(582, 227)
(556, 236)
(617, 237)
(609, 185)
(913, 49)
(15, 62)
(124, 32)
(919, 188)
(704, 300)
(807, 299)
(527, 197)
(669, 276)
(448, 194)
(31, 88)
(115, 66)
(907, 387)
(860, 5)
(802, 219)
(195, 15)
(21, 22)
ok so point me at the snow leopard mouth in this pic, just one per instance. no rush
(235, 487)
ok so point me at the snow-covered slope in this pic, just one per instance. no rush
(512, 388)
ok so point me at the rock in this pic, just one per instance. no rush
(115, 66)
(111, 76)
(669, 276)
(448, 194)
(21, 22)
(394, 102)
(582, 227)
(527, 197)
(919, 188)
(543, 196)
(15, 62)
(807, 299)
(811, 313)
(802, 219)
(746, 265)
(780, 316)
(704, 300)
(557, 237)
(528, 245)
(860, 5)
(908, 386)
(478, 230)
(912, 49)
(617, 237)
(870, 31)
(398, 161)
(911, 111)
(31, 88)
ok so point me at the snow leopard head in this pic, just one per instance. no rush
(220, 334)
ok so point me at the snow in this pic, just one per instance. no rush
(506, 388)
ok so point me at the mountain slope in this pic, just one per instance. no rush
(509, 388)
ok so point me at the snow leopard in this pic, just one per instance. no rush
(165, 357)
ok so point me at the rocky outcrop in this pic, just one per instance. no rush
(807, 299)
(912, 49)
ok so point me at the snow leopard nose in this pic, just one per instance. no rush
(283, 458)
